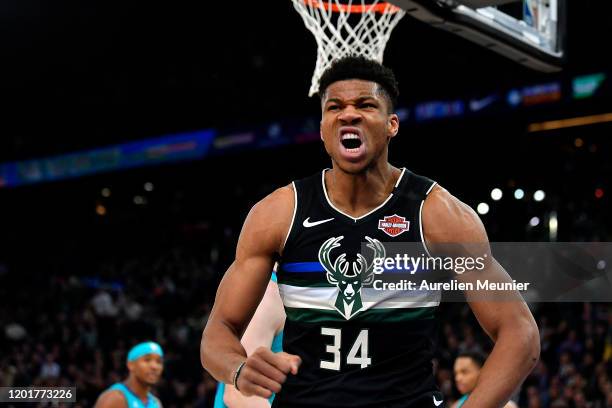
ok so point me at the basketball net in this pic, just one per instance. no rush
(347, 28)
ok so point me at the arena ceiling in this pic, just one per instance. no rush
(78, 74)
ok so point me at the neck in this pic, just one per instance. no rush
(358, 194)
(137, 387)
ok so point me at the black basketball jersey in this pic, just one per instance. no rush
(361, 346)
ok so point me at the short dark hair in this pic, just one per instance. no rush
(359, 67)
(477, 357)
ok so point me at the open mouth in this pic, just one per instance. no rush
(351, 141)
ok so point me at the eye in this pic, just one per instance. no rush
(367, 105)
(333, 107)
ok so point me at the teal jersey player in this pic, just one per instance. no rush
(265, 330)
(133, 401)
(145, 364)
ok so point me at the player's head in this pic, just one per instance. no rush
(359, 67)
(358, 98)
(467, 368)
(145, 362)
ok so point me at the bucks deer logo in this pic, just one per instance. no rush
(348, 302)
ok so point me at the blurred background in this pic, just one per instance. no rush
(136, 136)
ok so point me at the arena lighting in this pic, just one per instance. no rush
(601, 265)
(139, 200)
(148, 186)
(100, 210)
(483, 208)
(534, 221)
(572, 122)
(106, 192)
(553, 226)
(519, 194)
(539, 195)
(496, 194)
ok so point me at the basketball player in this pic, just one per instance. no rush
(265, 329)
(467, 370)
(337, 351)
(145, 364)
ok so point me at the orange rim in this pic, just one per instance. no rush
(382, 7)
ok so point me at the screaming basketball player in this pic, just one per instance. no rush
(344, 345)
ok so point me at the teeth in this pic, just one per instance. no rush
(349, 136)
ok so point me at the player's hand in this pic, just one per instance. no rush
(264, 372)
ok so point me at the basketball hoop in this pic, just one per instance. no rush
(349, 27)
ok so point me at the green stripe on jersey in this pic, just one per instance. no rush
(368, 316)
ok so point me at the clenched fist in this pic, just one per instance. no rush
(264, 372)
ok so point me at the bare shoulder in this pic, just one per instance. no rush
(270, 219)
(267, 224)
(111, 399)
(281, 199)
(448, 219)
(276, 205)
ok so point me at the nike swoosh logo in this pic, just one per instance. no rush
(436, 402)
(308, 224)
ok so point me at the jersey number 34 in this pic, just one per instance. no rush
(357, 355)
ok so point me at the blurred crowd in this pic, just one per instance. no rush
(77, 331)
(575, 367)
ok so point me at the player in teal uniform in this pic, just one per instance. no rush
(467, 369)
(266, 326)
(145, 364)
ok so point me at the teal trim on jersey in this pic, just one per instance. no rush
(273, 278)
(219, 396)
(370, 315)
(132, 400)
(277, 343)
(277, 346)
(462, 400)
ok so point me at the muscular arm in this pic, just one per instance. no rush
(268, 320)
(242, 288)
(508, 323)
(111, 399)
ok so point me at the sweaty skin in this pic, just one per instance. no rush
(359, 180)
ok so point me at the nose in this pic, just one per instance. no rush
(349, 116)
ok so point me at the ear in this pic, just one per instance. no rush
(321, 130)
(393, 125)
